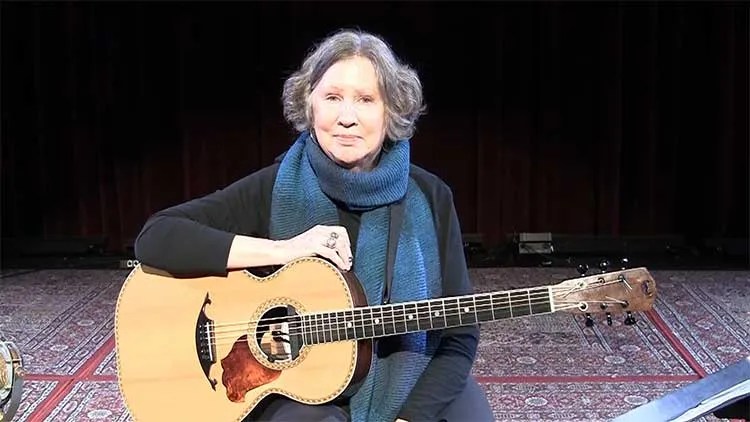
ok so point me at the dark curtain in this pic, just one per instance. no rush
(592, 118)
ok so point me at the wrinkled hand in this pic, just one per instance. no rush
(330, 242)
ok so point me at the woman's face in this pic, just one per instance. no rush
(349, 114)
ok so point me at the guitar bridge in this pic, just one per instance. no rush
(205, 342)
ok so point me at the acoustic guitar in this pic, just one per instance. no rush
(211, 348)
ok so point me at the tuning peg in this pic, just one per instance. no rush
(624, 263)
(604, 265)
(589, 321)
(609, 318)
(582, 269)
(629, 319)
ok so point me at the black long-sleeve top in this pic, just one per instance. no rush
(195, 237)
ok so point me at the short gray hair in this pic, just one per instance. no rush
(399, 83)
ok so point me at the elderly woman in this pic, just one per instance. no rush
(345, 190)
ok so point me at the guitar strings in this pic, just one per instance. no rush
(523, 293)
(321, 334)
(318, 326)
(295, 321)
(369, 319)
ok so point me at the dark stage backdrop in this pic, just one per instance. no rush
(595, 119)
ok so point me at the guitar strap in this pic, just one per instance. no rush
(394, 229)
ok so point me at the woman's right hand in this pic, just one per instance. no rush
(330, 242)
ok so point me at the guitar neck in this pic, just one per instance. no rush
(434, 314)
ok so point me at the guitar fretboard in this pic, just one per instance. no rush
(434, 314)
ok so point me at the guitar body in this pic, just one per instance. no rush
(192, 348)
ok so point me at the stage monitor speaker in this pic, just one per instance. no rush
(535, 243)
(725, 393)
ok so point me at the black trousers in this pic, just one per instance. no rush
(470, 405)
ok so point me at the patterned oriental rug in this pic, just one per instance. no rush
(542, 368)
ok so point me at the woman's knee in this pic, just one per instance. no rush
(471, 404)
(281, 409)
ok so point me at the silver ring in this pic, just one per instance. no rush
(330, 242)
(334, 235)
(351, 259)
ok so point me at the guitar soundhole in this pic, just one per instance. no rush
(279, 334)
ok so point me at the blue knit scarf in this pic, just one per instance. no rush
(306, 182)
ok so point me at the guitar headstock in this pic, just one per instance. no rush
(614, 292)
